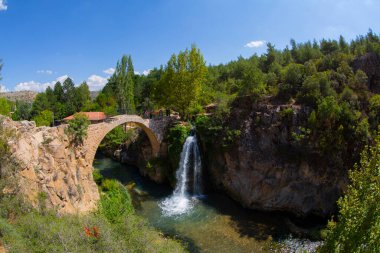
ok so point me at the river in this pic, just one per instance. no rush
(214, 224)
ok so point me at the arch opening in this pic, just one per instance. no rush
(98, 132)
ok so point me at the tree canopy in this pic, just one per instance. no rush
(182, 81)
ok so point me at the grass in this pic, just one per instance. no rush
(113, 228)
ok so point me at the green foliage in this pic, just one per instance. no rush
(44, 118)
(210, 128)
(23, 111)
(97, 176)
(176, 138)
(116, 203)
(116, 137)
(41, 103)
(314, 88)
(230, 136)
(113, 229)
(357, 229)
(374, 107)
(182, 81)
(82, 96)
(77, 128)
(109, 185)
(5, 107)
(121, 86)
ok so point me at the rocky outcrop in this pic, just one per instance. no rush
(370, 64)
(263, 170)
(50, 165)
(138, 152)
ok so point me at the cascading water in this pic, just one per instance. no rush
(181, 201)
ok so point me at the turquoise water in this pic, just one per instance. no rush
(214, 224)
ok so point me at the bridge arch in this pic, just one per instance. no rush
(97, 132)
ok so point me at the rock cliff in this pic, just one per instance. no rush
(50, 165)
(263, 170)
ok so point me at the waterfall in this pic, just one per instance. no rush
(180, 201)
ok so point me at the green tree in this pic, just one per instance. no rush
(50, 97)
(357, 229)
(44, 118)
(374, 106)
(58, 92)
(41, 103)
(83, 96)
(23, 111)
(130, 86)
(77, 128)
(5, 107)
(182, 81)
(60, 111)
(69, 96)
(121, 85)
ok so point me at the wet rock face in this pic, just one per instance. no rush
(138, 152)
(263, 170)
(50, 165)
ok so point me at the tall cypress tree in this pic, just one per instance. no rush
(120, 79)
(130, 86)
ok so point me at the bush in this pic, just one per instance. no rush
(77, 129)
(114, 228)
(116, 137)
(44, 118)
(109, 185)
(176, 138)
(357, 229)
(97, 176)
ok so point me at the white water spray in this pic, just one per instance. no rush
(181, 201)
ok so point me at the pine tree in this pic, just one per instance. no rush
(58, 92)
(69, 96)
(83, 95)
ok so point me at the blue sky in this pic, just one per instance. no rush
(42, 41)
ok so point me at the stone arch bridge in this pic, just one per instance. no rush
(154, 129)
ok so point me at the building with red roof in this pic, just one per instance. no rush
(94, 117)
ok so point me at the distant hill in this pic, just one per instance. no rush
(94, 94)
(29, 96)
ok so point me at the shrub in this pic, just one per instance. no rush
(44, 118)
(109, 185)
(97, 176)
(176, 138)
(77, 129)
(357, 229)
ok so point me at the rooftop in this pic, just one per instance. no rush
(92, 116)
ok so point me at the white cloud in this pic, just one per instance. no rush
(61, 79)
(37, 86)
(144, 73)
(3, 88)
(255, 43)
(47, 72)
(96, 82)
(3, 5)
(109, 71)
